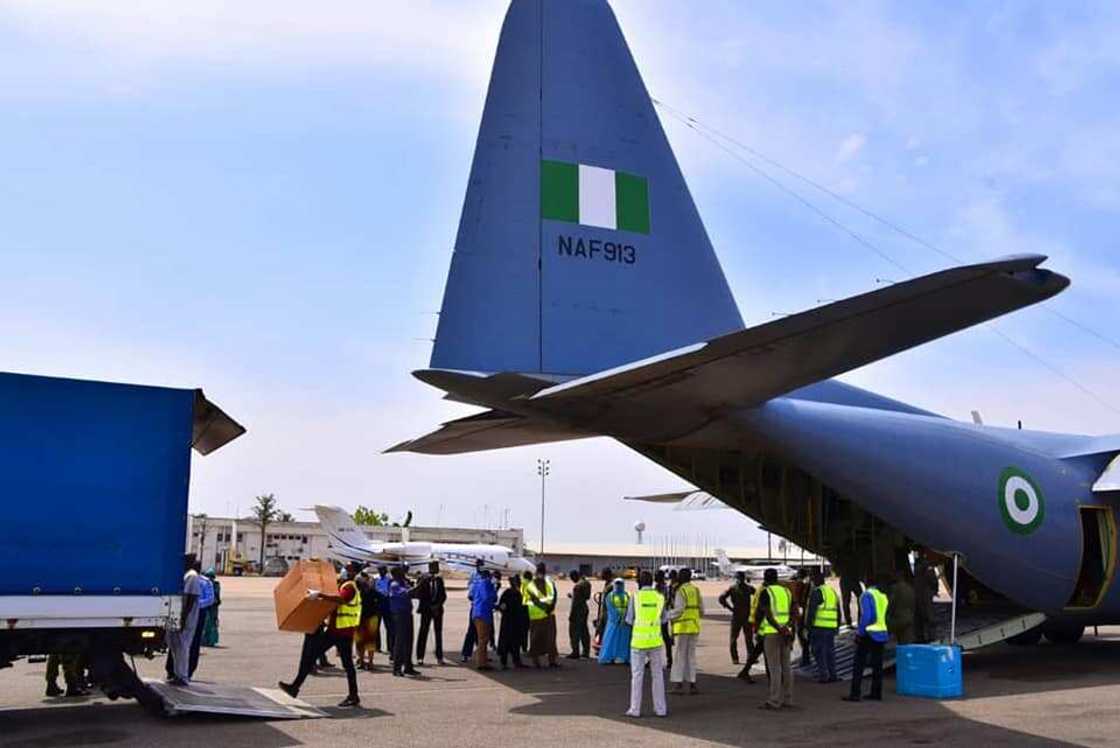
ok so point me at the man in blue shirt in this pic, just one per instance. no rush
(401, 594)
(483, 598)
(871, 636)
(381, 584)
(471, 637)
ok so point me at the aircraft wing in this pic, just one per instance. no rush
(662, 498)
(491, 429)
(684, 500)
(763, 362)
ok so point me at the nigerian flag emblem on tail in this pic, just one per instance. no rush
(594, 196)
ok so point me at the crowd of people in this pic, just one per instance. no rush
(654, 627)
(374, 614)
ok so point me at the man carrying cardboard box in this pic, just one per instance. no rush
(343, 622)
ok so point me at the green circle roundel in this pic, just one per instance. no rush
(1020, 501)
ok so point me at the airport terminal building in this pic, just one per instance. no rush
(592, 558)
(212, 539)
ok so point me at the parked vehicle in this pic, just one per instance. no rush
(95, 478)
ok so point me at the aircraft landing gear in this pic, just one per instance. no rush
(1064, 634)
(1027, 638)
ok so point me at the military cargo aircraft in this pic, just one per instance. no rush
(585, 299)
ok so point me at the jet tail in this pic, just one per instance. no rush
(346, 538)
(723, 562)
(579, 246)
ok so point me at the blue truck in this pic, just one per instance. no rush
(94, 478)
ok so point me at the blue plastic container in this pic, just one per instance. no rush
(929, 670)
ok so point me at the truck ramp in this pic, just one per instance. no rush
(976, 627)
(221, 698)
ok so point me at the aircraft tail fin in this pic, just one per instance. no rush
(723, 562)
(346, 538)
(579, 246)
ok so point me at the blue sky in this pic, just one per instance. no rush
(260, 199)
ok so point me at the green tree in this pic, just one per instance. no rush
(363, 515)
(286, 517)
(264, 511)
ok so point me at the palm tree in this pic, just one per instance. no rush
(201, 525)
(265, 511)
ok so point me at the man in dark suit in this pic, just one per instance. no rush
(432, 594)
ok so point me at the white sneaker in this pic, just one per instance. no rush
(662, 714)
(628, 713)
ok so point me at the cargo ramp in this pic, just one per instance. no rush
(976, 627)
(227, 699)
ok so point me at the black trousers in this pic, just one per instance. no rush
(196, 642)
(510, 636)
(318, 644)
(578, 634)
(754, 654)
(803, 640)
(741, 626)
(430, 619)
(402, 641)
(388, 641)
(868, 651)
(469, 639)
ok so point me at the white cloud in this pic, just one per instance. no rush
(131, 44)
(850, 147)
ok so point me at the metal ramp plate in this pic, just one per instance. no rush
(976, 627)
(845, 656)
(221, 698)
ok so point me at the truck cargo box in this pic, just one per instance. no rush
(94, 479)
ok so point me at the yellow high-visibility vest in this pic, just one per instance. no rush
(828, 612)
(779, 608)
(648, 606)
(347, 615)
(619, 600)
(881, 603)
(689, 622)
(538, 607)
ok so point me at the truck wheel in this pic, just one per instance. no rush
(1028, 638)
(118, 680)
(1065, 635)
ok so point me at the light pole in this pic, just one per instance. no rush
(543, 469)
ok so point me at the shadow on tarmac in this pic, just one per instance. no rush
(726, 710)
(1005, 669)
(107, 724)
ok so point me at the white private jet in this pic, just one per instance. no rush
(753, 571)
(349, 543)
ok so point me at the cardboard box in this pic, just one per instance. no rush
(294, 611)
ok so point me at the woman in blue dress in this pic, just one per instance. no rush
(615, 648)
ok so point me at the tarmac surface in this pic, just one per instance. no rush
(1040, 695)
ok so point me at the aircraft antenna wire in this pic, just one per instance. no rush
(721, 141)
(699, 126)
